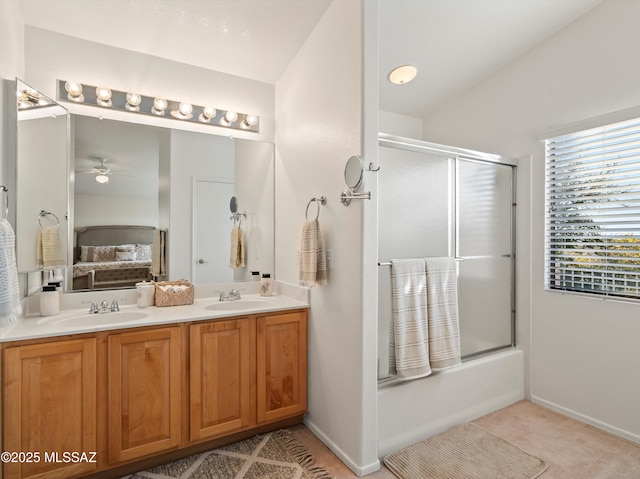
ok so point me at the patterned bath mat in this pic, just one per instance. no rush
(467, 451)
(276, 455)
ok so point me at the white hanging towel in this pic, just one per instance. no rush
(442, 301)
(409, 337)
(10, 309)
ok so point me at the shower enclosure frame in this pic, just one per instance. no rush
(457, 154)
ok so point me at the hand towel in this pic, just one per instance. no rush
(409, 337)
(313, 257)
(10, 308)
(49, 251)
(236, 259)
(442, 310)
(158, 253)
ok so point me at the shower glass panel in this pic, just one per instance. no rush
(414, 212)
(485, 240)
(431, 203)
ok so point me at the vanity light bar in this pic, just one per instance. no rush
(103, 97)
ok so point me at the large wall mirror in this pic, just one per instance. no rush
(125, 183)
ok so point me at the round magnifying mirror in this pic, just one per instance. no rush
(353, 172)
(233, 204)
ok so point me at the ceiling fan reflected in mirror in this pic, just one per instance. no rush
(102, 172)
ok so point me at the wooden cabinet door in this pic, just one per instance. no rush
(50, 407)
(220, 377)
(144, 372)
(281, 365)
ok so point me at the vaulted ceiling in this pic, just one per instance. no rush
(454, 43)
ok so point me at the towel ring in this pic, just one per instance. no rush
(45, 213)
(6, 198)
(319, 201)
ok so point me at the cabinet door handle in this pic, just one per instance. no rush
(202, 261)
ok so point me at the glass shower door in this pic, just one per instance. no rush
(485, 240)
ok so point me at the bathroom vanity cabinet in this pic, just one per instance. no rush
(50, 405)
(143, 396)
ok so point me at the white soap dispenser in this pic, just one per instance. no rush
(266, 285)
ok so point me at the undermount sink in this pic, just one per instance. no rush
(102, 319)
(237, 305)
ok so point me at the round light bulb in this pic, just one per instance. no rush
(73, 88)
(231, 116)
(74, 91)
(159, 105)
(251, 120)
(102, 179)
(103, 93)
(209, 112)
(133, 99)
(185, 109)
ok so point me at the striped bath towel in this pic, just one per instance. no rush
(442, 307)
(409, 337)
(313, 258)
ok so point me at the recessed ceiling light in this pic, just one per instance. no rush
(403, 74)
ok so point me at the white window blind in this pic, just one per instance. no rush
(592, 224)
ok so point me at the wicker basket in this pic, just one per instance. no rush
(169, 298)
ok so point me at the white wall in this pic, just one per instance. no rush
(400, 125)
(92, 210)
(318, 127)
(51, 56)
(584, 352)
(11, 66)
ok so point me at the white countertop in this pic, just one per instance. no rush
(76, 321)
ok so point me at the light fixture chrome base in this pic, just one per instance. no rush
(146, 106)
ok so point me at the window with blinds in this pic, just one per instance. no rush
(592, 221)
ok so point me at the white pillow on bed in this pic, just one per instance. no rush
(143, 252)
(125, 253)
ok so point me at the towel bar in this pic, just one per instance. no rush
(388, 263)
(47, 213)
(319, 201)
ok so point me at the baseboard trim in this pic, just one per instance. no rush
(616, 431)
(358, 470)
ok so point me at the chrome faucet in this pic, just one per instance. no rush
(93, 309)
(233, 295)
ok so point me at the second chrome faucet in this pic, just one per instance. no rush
(233, 295)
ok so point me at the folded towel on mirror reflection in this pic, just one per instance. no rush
(49, 251)
(313, 257)
(10, 309)
(236, 259)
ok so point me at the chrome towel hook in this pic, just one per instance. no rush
(319, 201)
(6, 198)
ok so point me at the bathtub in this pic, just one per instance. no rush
(409, 412)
